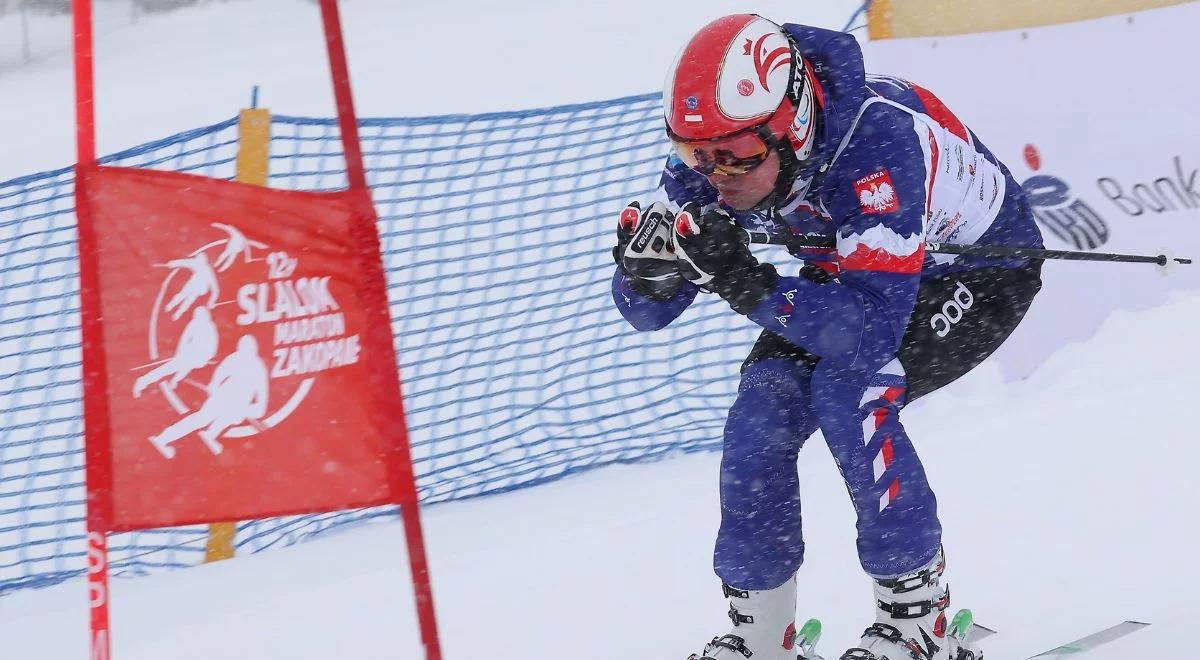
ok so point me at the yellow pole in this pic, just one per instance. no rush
(879, 19)
(253, 165)
(254, 146)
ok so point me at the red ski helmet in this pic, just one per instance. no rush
(742, 73)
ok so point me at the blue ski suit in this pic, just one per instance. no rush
(899, 170)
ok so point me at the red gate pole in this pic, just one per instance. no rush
(347, 120)
(97, 574)
(85, 117)
(95, 380)
(404, 487)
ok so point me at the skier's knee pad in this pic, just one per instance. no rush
(781, 378)
(772, 413)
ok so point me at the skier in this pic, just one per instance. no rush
(237, 393)
(236, 245)
(778, 129)
(201, 282)
(197, 345)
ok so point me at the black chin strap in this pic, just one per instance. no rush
(790, 167)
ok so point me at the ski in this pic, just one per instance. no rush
(966, 629)
(962, 626)
(1085, 644)
(978, 633)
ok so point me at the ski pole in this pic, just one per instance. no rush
(985, 251)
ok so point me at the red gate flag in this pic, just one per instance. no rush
(237, 348)
(242, 377)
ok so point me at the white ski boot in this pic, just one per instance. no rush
(911, 620)
(764, 626)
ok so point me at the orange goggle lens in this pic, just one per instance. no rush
(728, 157)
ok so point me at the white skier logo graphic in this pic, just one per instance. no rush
(878, 197)
(203, 281)
(300, 315)
(237, 393)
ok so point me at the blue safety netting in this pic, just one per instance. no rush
(517, 369)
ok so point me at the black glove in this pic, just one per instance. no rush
(713, 253)
(645, 252)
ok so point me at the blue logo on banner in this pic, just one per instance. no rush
(1068, 217)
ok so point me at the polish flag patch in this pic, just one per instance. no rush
(876, 193)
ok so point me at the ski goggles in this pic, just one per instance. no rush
(728, 156)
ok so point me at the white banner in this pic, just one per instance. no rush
(1098, 121)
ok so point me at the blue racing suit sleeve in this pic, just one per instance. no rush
(645, 313)
(677, 186)
(878, 199)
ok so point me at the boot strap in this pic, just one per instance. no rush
(914, 610)
(730, 642)
(907, 583)
(730, 592)
(885, 632)
(738, 618)
(882, 631)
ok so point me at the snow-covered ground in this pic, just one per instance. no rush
(1066, 501)
(1065, 497)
